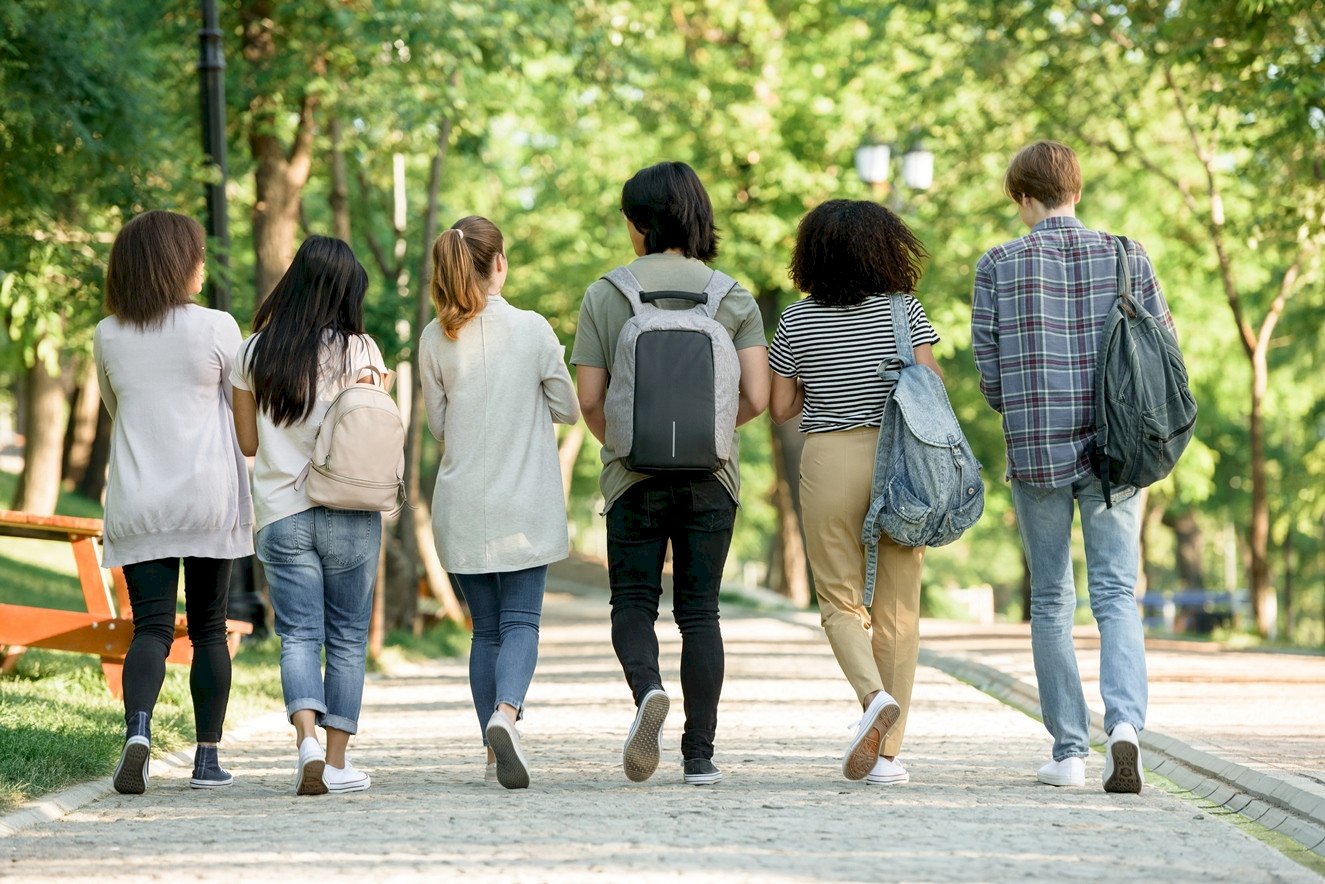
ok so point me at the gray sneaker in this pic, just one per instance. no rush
(701, 772)
(644, 742)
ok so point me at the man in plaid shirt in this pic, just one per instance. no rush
(1036, 319)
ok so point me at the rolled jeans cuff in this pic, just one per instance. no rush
(305, 703)
(340, 723)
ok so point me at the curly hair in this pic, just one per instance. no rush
(847, 250)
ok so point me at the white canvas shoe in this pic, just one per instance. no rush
(345, 779)
(1122, 761)
(888, 773)
(308, 772)
(879, 718)
(1070, 771)
(504, 739)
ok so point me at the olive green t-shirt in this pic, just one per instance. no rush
(605, 310)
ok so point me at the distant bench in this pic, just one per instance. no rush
(99, 631)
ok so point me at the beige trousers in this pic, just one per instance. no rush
(877, 647)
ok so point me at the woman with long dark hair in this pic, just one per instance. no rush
(494, 382)
(177, 488)
(308, 345)
(849, 256)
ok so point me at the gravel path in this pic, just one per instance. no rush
(971, 812)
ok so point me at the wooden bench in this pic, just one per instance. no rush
(100, 630)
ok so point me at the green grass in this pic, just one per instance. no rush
(58, 723)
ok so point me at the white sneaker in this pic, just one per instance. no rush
(644, 742)
(308, 772)
(512, 770)
(880, 717)
(345, 779)
(1122, 761)
(1071, 771)
(888, 773)
(490, 774)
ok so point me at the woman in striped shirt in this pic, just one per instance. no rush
(849, 256)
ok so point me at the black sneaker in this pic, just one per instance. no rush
(131, 773)
(644, 742)
(207, 770)
(701, 772)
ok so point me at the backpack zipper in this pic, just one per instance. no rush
(363, 483)
(1175, 434)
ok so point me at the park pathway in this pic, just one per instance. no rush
(972, 811)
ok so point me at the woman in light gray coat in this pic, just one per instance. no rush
(178, 485)
(494, 382)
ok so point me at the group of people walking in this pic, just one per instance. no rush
(193, 401)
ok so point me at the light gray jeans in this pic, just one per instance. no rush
(1113, 540)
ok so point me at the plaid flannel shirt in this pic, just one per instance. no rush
(1036, 317)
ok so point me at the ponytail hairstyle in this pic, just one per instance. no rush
(317, 304)
(463, 258)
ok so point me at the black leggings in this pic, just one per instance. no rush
(153, 588)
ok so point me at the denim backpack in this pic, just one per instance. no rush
(675, 389)
(927, 485)
(1144, 411)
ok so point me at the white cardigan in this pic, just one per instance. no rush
(178, 484)
(492, 396)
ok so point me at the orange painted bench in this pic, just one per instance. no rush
(100, 631)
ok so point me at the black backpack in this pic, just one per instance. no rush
(1144, 411)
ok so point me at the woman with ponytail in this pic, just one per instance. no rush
(494, 383)
(308, 345)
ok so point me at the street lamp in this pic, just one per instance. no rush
(874, 166)
(211, 82)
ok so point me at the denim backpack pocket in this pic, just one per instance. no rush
(904, 517)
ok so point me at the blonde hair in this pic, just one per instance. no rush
(463, 257)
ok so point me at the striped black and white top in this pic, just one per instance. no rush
(836, 352)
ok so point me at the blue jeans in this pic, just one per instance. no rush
(321, 565)
(505, 607)
(1113, 540)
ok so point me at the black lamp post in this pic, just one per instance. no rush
(211, 80)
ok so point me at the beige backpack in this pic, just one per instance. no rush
(359, 453)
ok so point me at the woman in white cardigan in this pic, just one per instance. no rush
(178, 485)
(494, 382)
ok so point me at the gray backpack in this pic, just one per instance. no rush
(1144, 411)
(927, 485)
(672, 399)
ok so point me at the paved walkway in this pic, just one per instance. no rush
(971, 812)
(1265, 711)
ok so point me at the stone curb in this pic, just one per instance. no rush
(1268, 800)
(57, 804)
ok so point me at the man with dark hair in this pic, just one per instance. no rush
(669, 220)
(1037, 313)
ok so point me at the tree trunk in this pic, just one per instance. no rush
(793, 575)
(39, 484)
(81, 432)
(568, 452)
(1258, 535)
(1189, 548)
(417, 537)
(340, 186)
(93, 484)
(280, 172)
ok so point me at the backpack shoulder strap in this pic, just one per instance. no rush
(719, 286)
(1124, 276)
(625, 282)
(901, 329)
